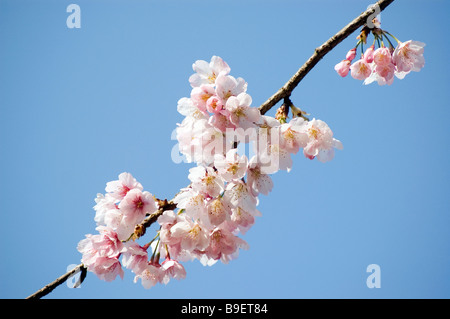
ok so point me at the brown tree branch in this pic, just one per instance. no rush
(318, 54)
(282, 93)
(150, 219)
(48, 288)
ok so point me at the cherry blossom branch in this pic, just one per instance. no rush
(282, 93)
(319, 53)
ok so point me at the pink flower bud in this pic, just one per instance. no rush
(342, 68)
(351, 54)
(368, 55)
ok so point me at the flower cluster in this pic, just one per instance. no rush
(383, 63)
(219, 114)
(119, 214)
(221, 201)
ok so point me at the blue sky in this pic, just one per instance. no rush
(80, 106)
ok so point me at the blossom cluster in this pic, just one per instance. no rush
(118, 213)
(218, 114)
(221, 201)
(384, 63)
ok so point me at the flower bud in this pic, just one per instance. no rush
(351, 54)
(342, 68)
(281, 114)
(368, 55)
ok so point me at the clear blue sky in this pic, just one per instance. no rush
(80, 106)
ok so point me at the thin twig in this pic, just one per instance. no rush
(163, 206)
(152, 218)
(318, 54)
(48, 288)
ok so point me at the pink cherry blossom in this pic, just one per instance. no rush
(257, 181)
(293, 135)
(116, 221)
(108, 214)
(118, 189)
(193, 235)
(227, 86)
(218, 211)
(172, 269)
(200, 95)
(386, 72)
(326, 155)
(193, 202)
(185, 136)
(232, 166)
(112, 210)
(321, 143)
(275, 158)
(172, 245)
(206, 180)
(221, 121)
(242, 220)
(360, 70)
(106, 242)
(104, 204)
(100, 253)
(136, 204)
(198, 140)
(167, 220)
(150, 275)
(241, 114)
(207, 141)
(224, 245)
(134, 256)
(187, 108)
(237, 193)
(106, 268)
(268, 133)
(382, 56)
(408, 56)
(89, 254)
(207, 73)
(343, 67)
(382, 74)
